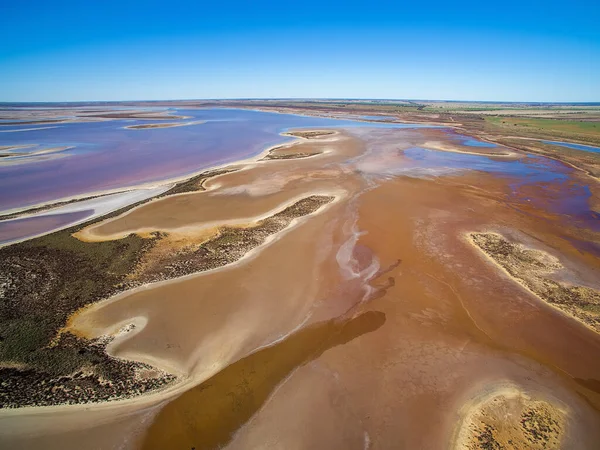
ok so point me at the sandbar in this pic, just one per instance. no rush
(162, 125)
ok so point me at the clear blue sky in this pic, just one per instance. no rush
(172, 49)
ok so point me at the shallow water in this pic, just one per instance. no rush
(60, 217)
(469, 141)
(585, 148)
(108, 156)
(531, 170)
(534, 180)
(13, 230)
(475, 143)
(538, 173)
(378, 117)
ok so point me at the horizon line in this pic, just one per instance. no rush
(354, 99)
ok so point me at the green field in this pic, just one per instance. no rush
(586, 131)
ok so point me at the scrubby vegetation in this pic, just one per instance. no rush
(45, 280)
(533, 269)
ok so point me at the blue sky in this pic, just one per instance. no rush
(473, 50)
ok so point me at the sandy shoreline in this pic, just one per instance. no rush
(214, 185)
(148, 185)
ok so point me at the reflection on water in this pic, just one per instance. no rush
(418, 161)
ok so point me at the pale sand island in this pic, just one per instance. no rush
(147, 126)
(18, 155)
(194, 332)
(450, 147)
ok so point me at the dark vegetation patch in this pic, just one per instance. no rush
(195, 183)
(45, 280)
(152, 125)
(157, 125)
(77, 371)
(32, 122)
(515, 424)
(274, 155)
(231, 244)
(310, 134)
(42, 282)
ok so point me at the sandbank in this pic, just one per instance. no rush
(162, 125)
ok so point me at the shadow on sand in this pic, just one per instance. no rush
(206, 416)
